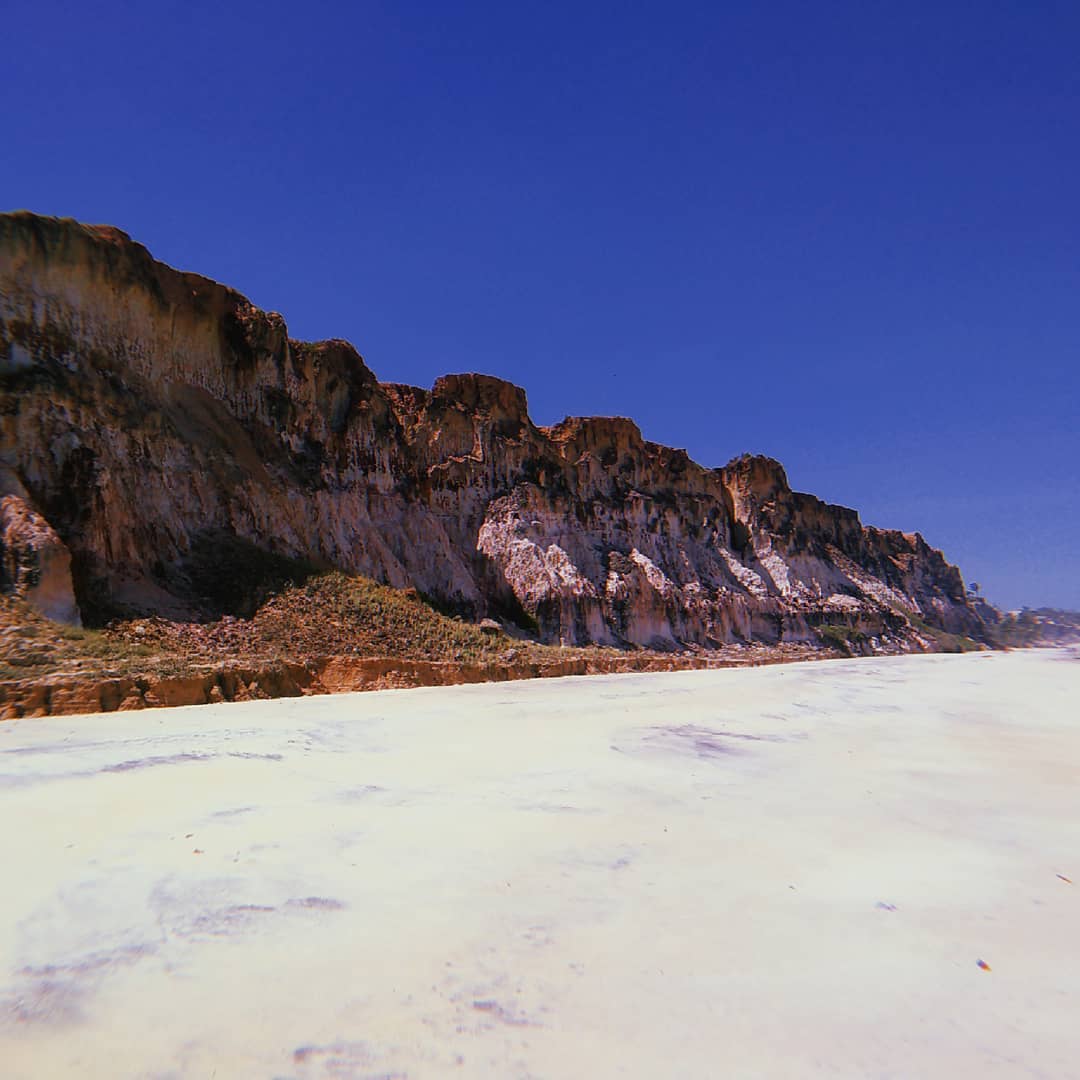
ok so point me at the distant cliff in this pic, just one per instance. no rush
(158, 431)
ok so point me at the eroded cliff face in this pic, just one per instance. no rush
(150, 417)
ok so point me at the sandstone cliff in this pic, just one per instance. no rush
(160, 436)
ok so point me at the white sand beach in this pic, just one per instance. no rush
(787, 872)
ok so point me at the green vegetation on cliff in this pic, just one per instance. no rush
(329, 614)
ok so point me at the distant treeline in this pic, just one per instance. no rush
(1039, 626)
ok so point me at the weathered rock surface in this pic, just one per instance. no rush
(65, 694)
(152, 419)
(34, 563)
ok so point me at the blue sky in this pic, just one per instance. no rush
(843, 234)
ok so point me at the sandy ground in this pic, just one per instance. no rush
(788, 871)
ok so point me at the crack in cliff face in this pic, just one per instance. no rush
(143, 410)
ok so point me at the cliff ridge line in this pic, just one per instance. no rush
(151, 417)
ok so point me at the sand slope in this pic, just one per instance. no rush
(786, 872)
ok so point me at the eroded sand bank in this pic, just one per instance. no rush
(785, 872)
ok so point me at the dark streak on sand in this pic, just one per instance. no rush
(706, 742)
(223, 922)
(318, 903)
(343, 1059)
(150, 762)
(93, 962)
(493, 1008)
(702, 742)
(54, 993)
(179, 759)
(45, 1001)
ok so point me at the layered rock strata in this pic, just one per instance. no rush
(150, 418)
(65, 694)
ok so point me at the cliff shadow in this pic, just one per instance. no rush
(226, 574)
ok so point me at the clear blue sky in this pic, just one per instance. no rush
(843, 234)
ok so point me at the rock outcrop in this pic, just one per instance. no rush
(152, 419)
(64, 694)
(34, 563)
